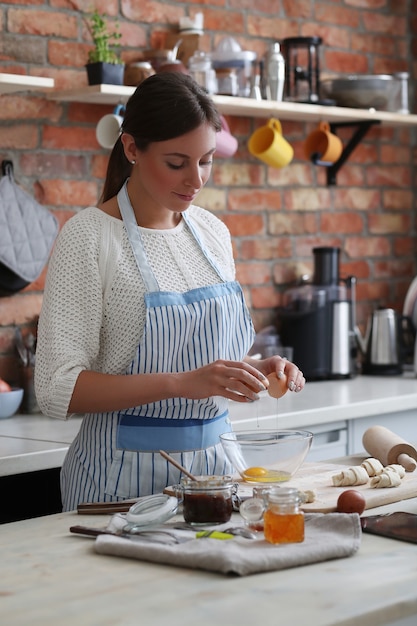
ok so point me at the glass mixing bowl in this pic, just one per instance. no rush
(267, 456)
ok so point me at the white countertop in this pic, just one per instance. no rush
(51, 577)
(35, 442)
(29, 443)
(332, 400)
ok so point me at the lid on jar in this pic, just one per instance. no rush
(154, 509)
(199, 58)
(142, 64)
(207, 482)
(281, 495)
(229, 51)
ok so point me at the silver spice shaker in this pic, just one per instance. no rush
(274, 73)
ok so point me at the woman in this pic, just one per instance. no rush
(143, 328)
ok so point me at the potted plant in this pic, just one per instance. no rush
(104, 65)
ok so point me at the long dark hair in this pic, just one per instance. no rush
(164, 106)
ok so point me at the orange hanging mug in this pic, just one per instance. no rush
(322, 146)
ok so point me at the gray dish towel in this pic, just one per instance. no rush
(327, 536)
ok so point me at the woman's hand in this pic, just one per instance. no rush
(295, 378)
(235, 380)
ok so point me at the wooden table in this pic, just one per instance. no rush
(53, 578)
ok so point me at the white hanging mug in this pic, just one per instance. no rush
(108, 128)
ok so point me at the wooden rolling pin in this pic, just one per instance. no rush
(389, 448)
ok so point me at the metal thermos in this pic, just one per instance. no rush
(274, 68)
(341, 339)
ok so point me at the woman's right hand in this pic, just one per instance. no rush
(234, 380)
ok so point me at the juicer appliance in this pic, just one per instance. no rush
(318, 320)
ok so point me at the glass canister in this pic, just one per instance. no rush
(207, 500)
(201, 70)
(283, 519)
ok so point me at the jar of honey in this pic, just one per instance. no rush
(283, 519)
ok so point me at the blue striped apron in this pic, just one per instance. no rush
(183, 331)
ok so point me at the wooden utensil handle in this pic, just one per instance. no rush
(102, 508)
(175, 463)
(408, 463)
(91, 532)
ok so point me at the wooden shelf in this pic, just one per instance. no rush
(95, 94)
(308, 112)
(10, 83)
(247, 107)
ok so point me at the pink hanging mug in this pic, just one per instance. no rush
(226, 144)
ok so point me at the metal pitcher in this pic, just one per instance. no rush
(383, 344)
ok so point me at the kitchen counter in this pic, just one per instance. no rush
(30, 443)
(51, 576)
(35, 442)
(329, 401)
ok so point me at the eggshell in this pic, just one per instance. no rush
(350, 501)
(277, 386)
(4, 387)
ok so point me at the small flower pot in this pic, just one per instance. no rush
(105, 73)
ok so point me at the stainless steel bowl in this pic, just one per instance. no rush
(377, 91)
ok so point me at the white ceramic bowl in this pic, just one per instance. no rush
(10, 401)
(267, 456)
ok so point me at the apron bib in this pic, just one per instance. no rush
(183, 331)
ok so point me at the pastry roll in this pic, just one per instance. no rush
(307, 496)
(356, 475)
(399, 469)
(372, 466)
(386, 479)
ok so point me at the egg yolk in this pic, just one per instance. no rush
(255, 472)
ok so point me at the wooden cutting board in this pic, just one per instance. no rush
(318, 477)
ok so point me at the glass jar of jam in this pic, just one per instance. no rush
(208, 500)
(283, 520)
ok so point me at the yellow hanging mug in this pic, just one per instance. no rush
(268, 144)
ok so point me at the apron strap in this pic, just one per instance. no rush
(133, 231)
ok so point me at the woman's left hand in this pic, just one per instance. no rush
(281, 366)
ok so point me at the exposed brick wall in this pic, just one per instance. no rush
(276, 217)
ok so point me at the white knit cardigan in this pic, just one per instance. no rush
(93, 306)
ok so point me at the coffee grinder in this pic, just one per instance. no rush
(317, 320)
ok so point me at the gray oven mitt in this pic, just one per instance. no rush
(27, 233)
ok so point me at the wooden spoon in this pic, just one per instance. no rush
(177, 465)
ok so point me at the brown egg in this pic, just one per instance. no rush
(277, 386)
(351, 501)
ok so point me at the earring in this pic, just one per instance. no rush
(133, 162)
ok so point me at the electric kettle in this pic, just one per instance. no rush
(384, 343)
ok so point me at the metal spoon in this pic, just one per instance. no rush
(232, 530)
(155, 535)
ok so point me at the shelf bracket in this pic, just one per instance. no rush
(362, 128)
